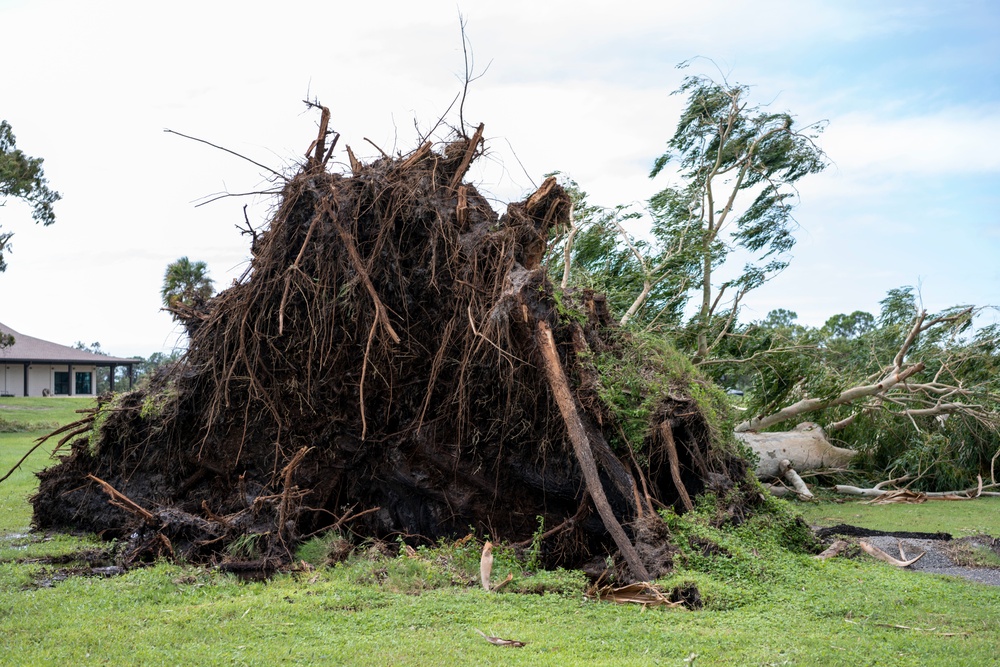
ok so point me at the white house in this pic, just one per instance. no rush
(36, 367)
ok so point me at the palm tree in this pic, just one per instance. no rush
(186, 285)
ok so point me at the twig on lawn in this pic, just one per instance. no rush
(498, 641)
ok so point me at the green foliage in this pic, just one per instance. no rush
(316, 550)
(605, 258)
(634, 380)
(22, 177)
(736, 566)
(532, 556)
(186, 283)
(155, 402)
(779, 362)
(567, 313)
(738, 164)
(105, 409)
(850, 326)
(145, 368)
(246, 547)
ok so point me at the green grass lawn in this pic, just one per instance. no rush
(764, 604)
(22, 422)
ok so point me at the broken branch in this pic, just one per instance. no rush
(581, 446)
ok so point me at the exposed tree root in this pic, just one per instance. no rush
(395, 345)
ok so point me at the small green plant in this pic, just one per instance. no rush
(155, 402)
(246, 547)
(325, 549)
(104, 410)
(567, 310)
(533, 555)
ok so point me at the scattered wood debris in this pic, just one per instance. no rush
(499, 641)
(640, 592)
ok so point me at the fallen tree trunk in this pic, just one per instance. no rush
(793, 478)
(805, 447)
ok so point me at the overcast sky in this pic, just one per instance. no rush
(911, 90)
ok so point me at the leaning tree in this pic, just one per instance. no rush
(737, 165)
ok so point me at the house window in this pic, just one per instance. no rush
(83, 381)
(60, 383)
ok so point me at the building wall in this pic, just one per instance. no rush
(43, 377)
(12, 379)
(39, 378)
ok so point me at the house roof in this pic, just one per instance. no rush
(28, 349)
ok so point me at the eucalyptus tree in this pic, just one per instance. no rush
(910, 393)
(22, 177)
(737, 167)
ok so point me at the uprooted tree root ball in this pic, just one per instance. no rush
(396, 363)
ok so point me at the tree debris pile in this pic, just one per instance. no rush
(396, 363)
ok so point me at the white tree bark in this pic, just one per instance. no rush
(805, 446)
(792, 477)
(812, 404)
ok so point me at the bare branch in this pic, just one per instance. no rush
(231, 152)
(812, 404)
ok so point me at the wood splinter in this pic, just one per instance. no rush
(486, 566)
(883, 556)
(499, 641)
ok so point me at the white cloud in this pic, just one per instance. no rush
(958, 140)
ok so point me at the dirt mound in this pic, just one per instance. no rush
(396, 363)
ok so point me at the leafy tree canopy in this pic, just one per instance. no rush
(644, 280)
(21, 177)
(738, 164)
(186, 286)
(941, 426)
(95, 348)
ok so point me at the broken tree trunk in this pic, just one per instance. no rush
(805, 447)
(793, 478)
(581, 445)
